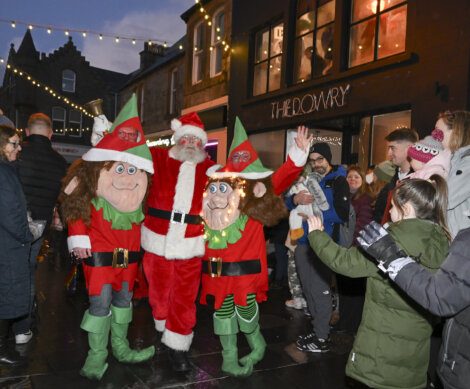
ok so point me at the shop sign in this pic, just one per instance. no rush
(335, 97)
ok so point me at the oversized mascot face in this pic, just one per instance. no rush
(123, 186)
(220, 205)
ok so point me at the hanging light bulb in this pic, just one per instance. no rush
(84, 34)
(30, 26)
(100, 37)
(133, 41)
(49, 31)
(66, 32)
(13, 24)
(117, 39)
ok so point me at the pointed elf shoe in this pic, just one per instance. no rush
(254, 337)
(121, 317)
(227, 330)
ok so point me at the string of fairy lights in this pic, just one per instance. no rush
(207, 17)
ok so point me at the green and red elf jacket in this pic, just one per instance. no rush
(109, 230)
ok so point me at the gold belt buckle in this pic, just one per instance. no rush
(218, 260)
(125, 263)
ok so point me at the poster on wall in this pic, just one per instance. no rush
(333, 138)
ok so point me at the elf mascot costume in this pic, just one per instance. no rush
(102, 204)
(239, 199)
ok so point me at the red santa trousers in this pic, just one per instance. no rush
(173, 288)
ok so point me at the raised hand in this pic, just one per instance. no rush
(303, 140)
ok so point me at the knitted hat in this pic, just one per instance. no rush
(323, 149)
(385, 171)
(4, 121)
(426, 149)
(125, 141)
(243, 160)
(189, 124)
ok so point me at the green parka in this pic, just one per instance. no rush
(391, 349)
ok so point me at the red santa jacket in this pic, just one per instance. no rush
(100, 237)
(177, 186)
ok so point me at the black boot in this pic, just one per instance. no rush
(7, 357)
(179, 360)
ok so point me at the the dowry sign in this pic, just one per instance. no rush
(335, 97)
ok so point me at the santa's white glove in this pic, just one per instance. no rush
(100, 126)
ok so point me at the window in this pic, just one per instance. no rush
(58, 120)
(314, 32)
(75, 123)
(140, 93)
(173, 89)
(68, 81)
(378, 30)
(268, 60)
(217, 36)
(198, 53)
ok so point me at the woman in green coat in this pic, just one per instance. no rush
(391, 349)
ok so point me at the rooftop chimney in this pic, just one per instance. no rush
(150, 54)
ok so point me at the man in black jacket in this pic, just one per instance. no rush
(41, 170)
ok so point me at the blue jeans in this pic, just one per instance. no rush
(100, 305)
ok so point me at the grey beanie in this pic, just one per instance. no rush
(4, 121)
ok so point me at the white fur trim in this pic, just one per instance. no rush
(175, 124)
(80, 241)
(188, 129)
(96, 154)
(398, 264)
(159, 325)
(177, 341)
(297, 155)
(213, 173)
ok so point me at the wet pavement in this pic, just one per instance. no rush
(58, 348)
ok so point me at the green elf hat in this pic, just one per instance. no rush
(125, 141)
(243, 160)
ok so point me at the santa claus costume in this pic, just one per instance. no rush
(234, 264)
(172, 236)
(107, 236)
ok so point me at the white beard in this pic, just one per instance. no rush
(186, 154)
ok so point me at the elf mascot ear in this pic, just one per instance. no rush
(71, 186)
(259, 190)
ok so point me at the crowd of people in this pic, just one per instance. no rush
(381, 253)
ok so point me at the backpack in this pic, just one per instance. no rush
(346, 230)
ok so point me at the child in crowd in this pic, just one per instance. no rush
(429, 157)
(391, 349)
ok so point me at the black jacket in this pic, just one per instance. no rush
(447, 293)
(15, 244)
(41, 169)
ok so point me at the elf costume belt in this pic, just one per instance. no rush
(175, 216)
(215, 267)
(119, 258)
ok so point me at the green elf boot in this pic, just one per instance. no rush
(227, 330)
(121, 317)
(254, 337)
(98, 334)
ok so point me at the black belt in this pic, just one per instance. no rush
(174, 216)
(215, 267)
(119, 258)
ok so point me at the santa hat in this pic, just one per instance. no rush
(426, 149)
(243, 160)
(189, 124)
(125, 141)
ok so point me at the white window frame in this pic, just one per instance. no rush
(73, 79)
(54, 119)
(198, 53)
(72, 133)
(216, 44)
(173, 90)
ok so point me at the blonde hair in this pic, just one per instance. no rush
(459, 123)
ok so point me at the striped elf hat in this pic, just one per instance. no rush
(125, 141)
(243, 160)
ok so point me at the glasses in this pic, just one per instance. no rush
(14, 144)
(319, 160)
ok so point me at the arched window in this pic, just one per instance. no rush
(217, 37)
(68, 80)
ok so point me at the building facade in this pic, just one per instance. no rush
(68, 73)
(351, 70)
(207, 64)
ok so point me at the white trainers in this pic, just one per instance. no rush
(296, 303)
(23, 338)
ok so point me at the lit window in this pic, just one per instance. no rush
(314, 32)
(173, 91)
(68, 81)
(378, 30)
(198, 53)
(58, 120)
(217, 37)
(268, 59)
(75, 123)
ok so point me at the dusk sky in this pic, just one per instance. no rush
(157, 19)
